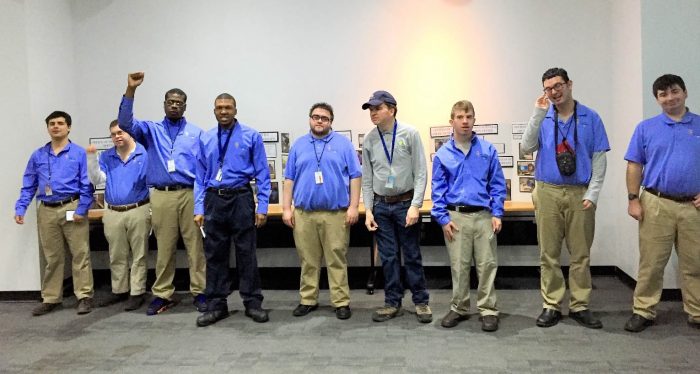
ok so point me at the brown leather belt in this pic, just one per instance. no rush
(124, 208)
(54, 204)
(408, 195)
(465, 208)
(679, 199)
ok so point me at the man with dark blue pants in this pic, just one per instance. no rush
(230, 157)
(394, 175)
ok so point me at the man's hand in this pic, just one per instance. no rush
(369, 221)
(449, 230)
(135, 79)
(587, 204)
(412, 216)
(496, 225)
(91, 149)
(260, 220)
(199, 220)
(696, 202)
(288, 217)
(77, 218)
(542, 102)
(635, 210)
(19, 220)
(351, 215)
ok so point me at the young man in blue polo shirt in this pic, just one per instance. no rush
(571, 143)
(323, 177)
(127, 217)
(230, 156)
(57, 174)
(468, 192)
(664, 157)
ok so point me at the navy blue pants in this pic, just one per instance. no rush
(227, 218)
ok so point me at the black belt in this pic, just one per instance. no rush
(680, 199)
(229, 191)
(406, 196)
(465, 208)
(173, 187)
(54, 204)
(124, 208)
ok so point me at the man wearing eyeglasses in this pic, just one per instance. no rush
(172, 151)
(571, 143)
(323, 177)
(394, 176)
(663, 157)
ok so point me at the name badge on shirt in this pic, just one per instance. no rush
(390, 181)
(171, 166)
(47, 190)
(69, 215)
(219, 176)
(319, 177)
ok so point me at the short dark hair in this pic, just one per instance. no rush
(176, 91)
(392, 106)
(57, 114)
(322, 105)
(226, 96)
(113, 124)
(665, 82)
(555, 72)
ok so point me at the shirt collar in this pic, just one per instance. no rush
(687, 118)
(325, 139)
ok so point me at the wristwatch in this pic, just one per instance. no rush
(632, 196)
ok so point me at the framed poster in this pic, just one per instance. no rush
(270, 136)
(500, 148)
(439, 142)
(271, 150)
(271, 167)
(360, 140)
(285, 142)
(440, 131)
(526, 168)
(527, 184)
(506, 161)
(486, 129)
(522, 155)
(519, 128)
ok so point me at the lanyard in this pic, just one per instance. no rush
(393, 141)
(557, 129)
(170, 135)
(48, 160)
(318, 158)
(222, 149)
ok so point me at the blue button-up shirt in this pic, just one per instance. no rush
(474, 179)
(592, 138)
(338, 165)
(165, 140)
(669, 152)
(65, 173)
(244, 161)
(125, 180)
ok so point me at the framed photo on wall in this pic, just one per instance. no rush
(270, 136)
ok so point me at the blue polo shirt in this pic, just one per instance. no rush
(65, 173)
(591, 138)
(669, 152)
(473, 179)
(338, 165)
(126, 180)
(163, 141)
(243, 161)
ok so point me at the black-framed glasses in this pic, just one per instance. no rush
(323, 119)
(557, 87)
(174, 103)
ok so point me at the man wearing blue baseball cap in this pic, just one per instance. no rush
(394, 175)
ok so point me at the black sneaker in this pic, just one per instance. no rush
(343, 312)
(159, 305)
(302, 310)
(211, 317)
(134, 302)
(637, 323)
(257, 314)
(112, 299)
(200, 302)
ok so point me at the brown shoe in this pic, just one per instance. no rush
(452, 318)
(134, 302)
(489, 323)
(85, 305)
(44, 308)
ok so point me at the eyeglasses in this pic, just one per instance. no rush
(557, 87)
(323, 119)
(174, 103)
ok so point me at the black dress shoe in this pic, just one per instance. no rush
(343, 312)
(211, 317)
(302, 310)
(637, 323)
(585, 318)
(548, 318)
(258, 315)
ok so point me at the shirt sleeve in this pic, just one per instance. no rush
(290, 171)
(29, 185)
(85, 188)
(367, 176)
(137, 129)
(439, 190)
(262, 173)
(531, 136)
(635, 150)
(353, 163)
(601, 136)
(200, 180)
(95, 169)
(420, 171)
(599, 165)
(496, 185)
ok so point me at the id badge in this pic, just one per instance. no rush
(219, 176)
(318, 176)
(69, 215)
(171, 166)
(47, 190)
(390, 181)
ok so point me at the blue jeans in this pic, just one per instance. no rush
(393, 241)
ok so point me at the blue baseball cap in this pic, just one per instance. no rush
(378, 98)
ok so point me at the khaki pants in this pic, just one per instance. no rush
(54, 233)
(475, 239)
(127, 233)
(319, 234)
(173, 215)
(666, 223)
(560, 216)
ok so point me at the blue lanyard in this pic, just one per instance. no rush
(393, 141)
(170, 135)
(318, 158)
(222, 149)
